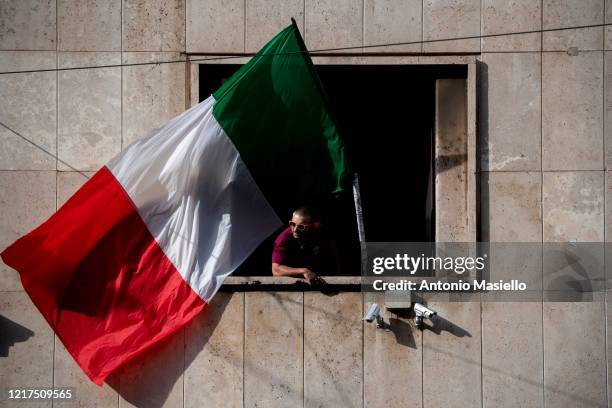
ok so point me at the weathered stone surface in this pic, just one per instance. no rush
(152, 94)
(446, 59)
(511, 43)
(27, 25)
(274, 349)
(451, 356)
(571, 13)
(510, 111)
(214, 345)
(333, 24)
(27, 60)
(154, 379)
(30, 109)
(573, 272)
(451, 161)
(153, 25)
(573, 211)
(89, 110)
(608, 207)
(392, 359)
(584, 39)
(265, 18)
(512, 355)
(216, 26)
(574, 354)
(193, 98)
(608, 29)
(510, 207)
(356, 60)
(28, 361)
(393, 21)
(520, 261)
(89, 25)
(66, 373)
(608, 110)
(333, 350)
(609, 339)
(444, 19)
(510, 217)
(572, 111)
(30, 202)
(573, 206)
(503, 16)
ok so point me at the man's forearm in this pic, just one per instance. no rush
(283, 270)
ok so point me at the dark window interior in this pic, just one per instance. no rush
(385, 115)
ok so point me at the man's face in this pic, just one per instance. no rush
(300, 226)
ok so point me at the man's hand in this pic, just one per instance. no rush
(310, 276)
(313, 278)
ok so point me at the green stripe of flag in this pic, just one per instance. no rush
(275, 112)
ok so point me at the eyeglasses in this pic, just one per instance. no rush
(301, 227)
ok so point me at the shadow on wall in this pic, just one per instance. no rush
(403, 329)
(148, 380)
(482, 152)
(12, 333)
(402, 332)
(447, 162)
(440, 324)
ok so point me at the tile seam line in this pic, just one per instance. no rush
(605, 176)
(480, 21)
(542, 190)
(363, 395)
(56, 161)
(422, 23)
(121, 77)
(184, 362)
(187, 81)
(303, 350)
(422, 368)
(363, 30)
(244, 338)
(481, 355)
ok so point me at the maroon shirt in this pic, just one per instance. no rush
(313, 251)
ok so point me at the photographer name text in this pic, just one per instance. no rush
(460, 285)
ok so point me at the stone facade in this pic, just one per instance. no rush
(545, 148)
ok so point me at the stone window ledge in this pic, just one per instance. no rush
(286, 284)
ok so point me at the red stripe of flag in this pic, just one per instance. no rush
(100, 279)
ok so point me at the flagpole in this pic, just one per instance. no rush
(358, 208)
(360, 226)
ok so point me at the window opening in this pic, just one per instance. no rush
(385, 115)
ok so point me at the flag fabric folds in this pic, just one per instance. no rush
(146, 243)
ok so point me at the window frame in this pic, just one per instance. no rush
(468, 191)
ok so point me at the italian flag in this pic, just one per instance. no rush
(146, 243)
